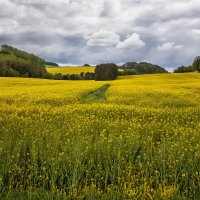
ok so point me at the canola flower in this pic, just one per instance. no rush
(70, 70)
(141, 143)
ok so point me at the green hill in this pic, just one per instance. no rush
(51, 64)
(143, 68)
(14, 62)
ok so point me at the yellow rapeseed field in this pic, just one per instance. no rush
(70, 70)
(142, 141)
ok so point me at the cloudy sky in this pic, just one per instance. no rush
(164, 32)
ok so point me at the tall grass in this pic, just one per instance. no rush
(142, 143)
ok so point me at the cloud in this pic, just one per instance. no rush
(169, 46)
(103, 38)
(196, 33)
(133, 42)
(111, 8)
(83, 31)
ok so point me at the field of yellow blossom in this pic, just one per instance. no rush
(137, 137)
(70, 70)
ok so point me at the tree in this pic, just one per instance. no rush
(15, 62)
(51, 64)
(89, 76)
(86, 65)
(184, 69)
(66, 77)
(196, 63)
(126, 72)
(58, 76)
(82, 75)
(104, 72)
(143, 68)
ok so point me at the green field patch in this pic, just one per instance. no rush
(98, 95)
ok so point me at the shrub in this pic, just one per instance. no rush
(104, 72)
(196, 63)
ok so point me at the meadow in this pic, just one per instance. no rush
(137, 137)
(70, 70)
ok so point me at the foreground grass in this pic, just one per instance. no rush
(141, 143)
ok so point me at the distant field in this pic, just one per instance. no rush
(137, 137)
(70, 70)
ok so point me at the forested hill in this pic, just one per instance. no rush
(143, 68)
(14, 62)
(51, 64)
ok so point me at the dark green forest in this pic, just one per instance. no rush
(51, 64)
(132, 68)
(17, 63)
(184, 69)
(195, 67)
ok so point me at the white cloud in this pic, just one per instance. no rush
(72, 28)
(9, 9)
(103, 38)
(196, 33)
(133, 42)
(111, 8)
(169, 46)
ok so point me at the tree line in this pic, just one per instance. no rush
(103, 72)
(191, 68)
(134, 68)
(51, 64)
(14, 62)
(81, 76)
(17, 63)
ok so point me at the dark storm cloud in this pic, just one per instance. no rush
(4, 38)
(39, 6)
(83, 31)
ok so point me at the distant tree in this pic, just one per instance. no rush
(14, 62)
(82, 75)
(196, 64)
(48, 76)
(66, 77)
(86, 65)
(126, 72)
(74, 77)
(77, 77)
(89, 76)
(92, 75)
(8, 72)
(184, 69)
(58, 76)
(105, 72)
(52, 64)
(143, 68)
